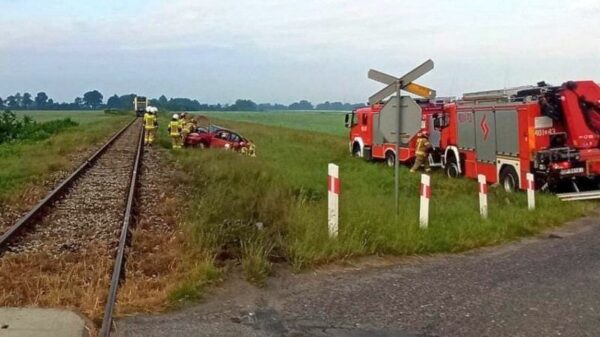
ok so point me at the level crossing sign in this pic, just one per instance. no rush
(393, 124)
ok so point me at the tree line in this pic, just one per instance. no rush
(95, 100)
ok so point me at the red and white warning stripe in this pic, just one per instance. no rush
(530, 191)
(425, 192)
(333, 193)
(483, 191)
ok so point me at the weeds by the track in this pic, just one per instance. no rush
(78, 281)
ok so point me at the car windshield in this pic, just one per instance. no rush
(223, 135)
(214, 128)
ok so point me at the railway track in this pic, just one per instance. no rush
(76, 233)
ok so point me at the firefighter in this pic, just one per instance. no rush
(187, 126)
(249, 149)
(175, 132)
(150, 126)
(422, 148)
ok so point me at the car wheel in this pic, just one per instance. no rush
(390, 159)
(509, 179)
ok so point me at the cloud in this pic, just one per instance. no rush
(475, 44)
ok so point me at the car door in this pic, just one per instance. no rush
(220, 139)
(235, 140)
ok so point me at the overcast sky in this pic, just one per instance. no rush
(284, 51)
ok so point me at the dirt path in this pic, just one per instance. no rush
(547, 286)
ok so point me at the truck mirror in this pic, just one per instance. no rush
(347, 120)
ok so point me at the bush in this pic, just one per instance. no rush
(13, 129)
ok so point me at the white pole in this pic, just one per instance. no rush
(483, 201)
(530, 191)
(333, 188)
(425, 195)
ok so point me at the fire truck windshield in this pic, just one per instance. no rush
(350, 120)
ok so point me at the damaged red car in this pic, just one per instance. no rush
(218, 137)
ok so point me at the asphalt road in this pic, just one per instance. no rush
(547, 286)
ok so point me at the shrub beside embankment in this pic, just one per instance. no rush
(13, 129)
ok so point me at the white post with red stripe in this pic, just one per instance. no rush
(333, 188)
(425, 196)
(483, 191)
(530, 191)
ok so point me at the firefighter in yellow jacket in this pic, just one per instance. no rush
(187, 126)
(422, 148)
(175, 132)
(150, 125)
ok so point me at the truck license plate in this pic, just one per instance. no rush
(574, 170)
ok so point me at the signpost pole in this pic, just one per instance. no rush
(396, 164)
(396, 85)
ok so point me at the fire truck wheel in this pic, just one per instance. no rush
(390, 159)
(356, 150)
(509, 179)
(452, 170)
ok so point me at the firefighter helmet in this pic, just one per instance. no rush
(175, 116)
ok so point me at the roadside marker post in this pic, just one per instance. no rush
(425, 192)
(483, 201)
(530, 191)
(333, 193)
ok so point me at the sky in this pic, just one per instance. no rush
(282, 51)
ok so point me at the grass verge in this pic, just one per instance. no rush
(283, 191)
(26, 164)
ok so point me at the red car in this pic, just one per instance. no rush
(217, 137)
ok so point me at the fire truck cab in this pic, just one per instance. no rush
(366, 140)
(550, 131)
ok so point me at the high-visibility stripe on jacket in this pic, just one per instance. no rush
(175, 128)
(149, 121)
(422, 146)
(188, 127)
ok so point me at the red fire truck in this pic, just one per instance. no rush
(550, 131)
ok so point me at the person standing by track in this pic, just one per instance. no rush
(175, 132)
(150, 126)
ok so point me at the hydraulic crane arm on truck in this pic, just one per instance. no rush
(550, 131)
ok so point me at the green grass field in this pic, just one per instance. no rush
(331, 122)
(285, 188)
(27, 163)
(82, 117)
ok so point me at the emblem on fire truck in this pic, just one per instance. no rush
(484, 127)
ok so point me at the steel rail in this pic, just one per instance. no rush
(116, 275)
(56, 192)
